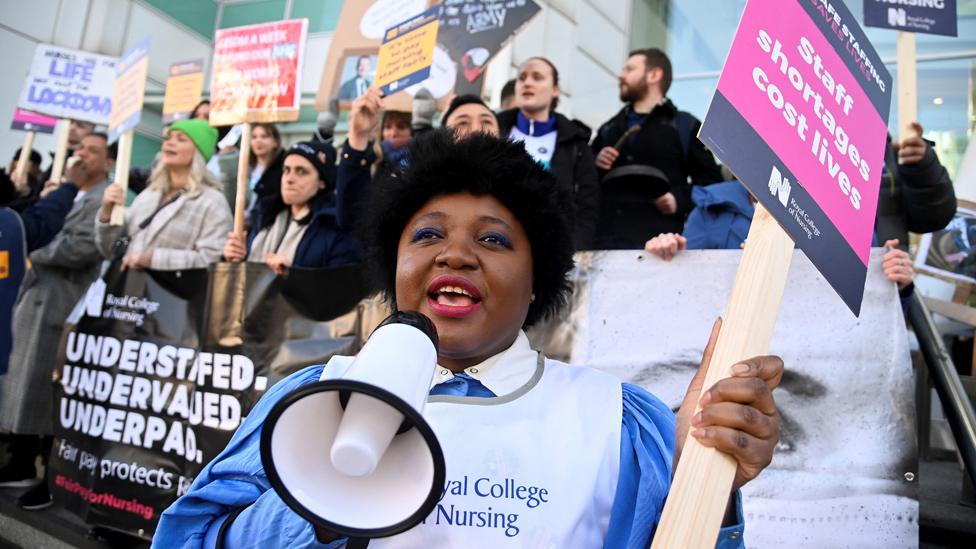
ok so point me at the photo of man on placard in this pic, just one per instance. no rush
(951, 251)
(357, 76)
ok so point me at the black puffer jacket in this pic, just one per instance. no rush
(573, 167)
(913, 197)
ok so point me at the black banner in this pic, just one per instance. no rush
(157, 370)
(474, 30)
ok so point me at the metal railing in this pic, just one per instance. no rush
(944, 377)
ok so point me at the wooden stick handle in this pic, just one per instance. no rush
(20, 176)
(243, 179)
(703, 480)
(57, 167)
(122, 162)
(907, 85)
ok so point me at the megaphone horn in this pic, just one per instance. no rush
(336, 450)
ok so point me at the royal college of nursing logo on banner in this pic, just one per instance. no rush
(897, 17)
(127, 308)
(95, 299)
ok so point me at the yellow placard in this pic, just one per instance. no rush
(406, 53)
(130, 87)
(183, 90)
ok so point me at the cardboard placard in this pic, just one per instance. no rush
(257, 73)
(68, 83)
(800, 116)
(407, 52)
(475, 30)
(130, 89)
(931, 17)
(184, 87)
(350, 65)
(27, 121)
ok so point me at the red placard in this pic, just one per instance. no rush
(257, 73)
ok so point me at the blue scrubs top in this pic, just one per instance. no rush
(236, 479)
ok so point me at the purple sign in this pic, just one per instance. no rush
(925, 16)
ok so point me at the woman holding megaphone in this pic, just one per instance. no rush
(474, 235)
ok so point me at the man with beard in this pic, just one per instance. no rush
(648, 131)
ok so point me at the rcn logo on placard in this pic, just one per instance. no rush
(779, 186)
(95, 299)
(896, 17)
(127, 308)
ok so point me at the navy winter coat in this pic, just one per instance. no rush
(21, 234)
(324, 244)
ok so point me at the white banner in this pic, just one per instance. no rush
(840, 475)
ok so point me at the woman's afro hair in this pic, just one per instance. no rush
(440, 164)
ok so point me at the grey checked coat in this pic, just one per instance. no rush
(187, 234)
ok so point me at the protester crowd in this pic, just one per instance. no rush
(642, 180)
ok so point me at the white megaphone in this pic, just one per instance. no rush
(354, 455)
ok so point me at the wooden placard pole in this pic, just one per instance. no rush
(57, 167)
(122, 162)
(243, 179)
(20, 176)
(907, 85)
(703, 480)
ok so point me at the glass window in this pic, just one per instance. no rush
(249, 13)
(144, 149)
(197, 15)
(322, 14)
(697, 35)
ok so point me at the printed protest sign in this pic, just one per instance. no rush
(184, 86)
(950, 252)
(32, 122)
(474, 30)
(925, 16)
(257, 73)
(407, 52)
(130, 87)
(159, 368)
(70, 84)
(800, 116)
(350, 66)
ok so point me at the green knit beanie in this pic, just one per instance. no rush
(203, 135)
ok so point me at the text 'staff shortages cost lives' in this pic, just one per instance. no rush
(800, 116)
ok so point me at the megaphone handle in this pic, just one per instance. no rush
(357, 543)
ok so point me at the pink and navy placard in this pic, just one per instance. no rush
(800, 116)
(32, 122)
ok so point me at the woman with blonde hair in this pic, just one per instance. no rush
(181, 219)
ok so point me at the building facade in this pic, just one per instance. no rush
(587, 40)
